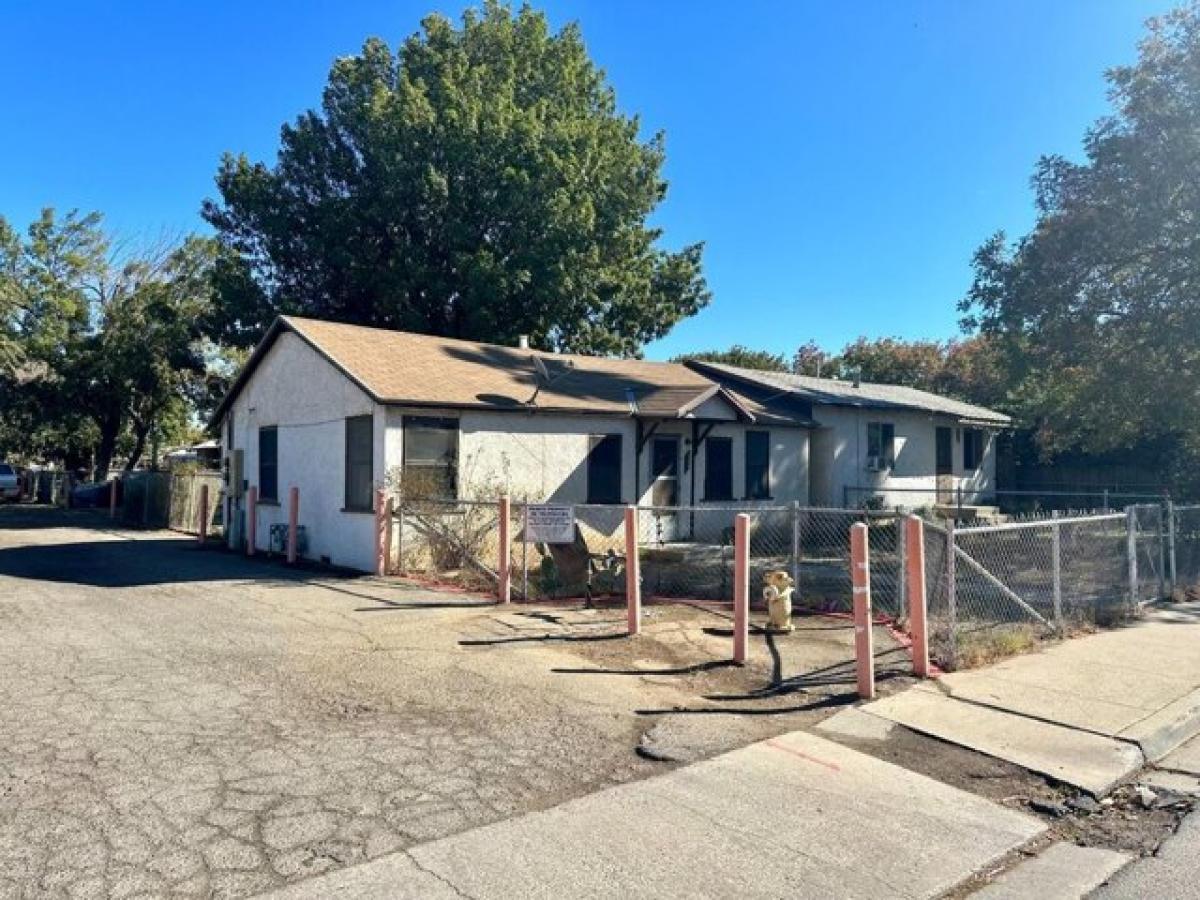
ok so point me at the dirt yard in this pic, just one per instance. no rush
(185, 722)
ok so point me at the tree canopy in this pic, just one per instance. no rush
(1097, 307)
(480, 182)
(737, 355)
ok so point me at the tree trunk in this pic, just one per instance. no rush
(110, 429)
(139, 446)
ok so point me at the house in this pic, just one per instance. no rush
(340, 410)
(882, 444)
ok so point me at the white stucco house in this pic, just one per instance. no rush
(883, 444)
(339, 411)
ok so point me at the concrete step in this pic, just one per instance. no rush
(1088, 761)
(1060, 872)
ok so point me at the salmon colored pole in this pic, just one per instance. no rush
(914, 578)
(864, 640)
(381, 510)
(251, 519)
(202, 530)
(293, 522)
(741, 586)
(504, 556)
(112, 498)
(633, 572)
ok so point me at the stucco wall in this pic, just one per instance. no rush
(308, 399)
(842, 445)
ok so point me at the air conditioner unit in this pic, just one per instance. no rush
(877, 464)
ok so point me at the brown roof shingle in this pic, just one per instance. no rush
(424, 370)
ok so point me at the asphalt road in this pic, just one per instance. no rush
(186, 722)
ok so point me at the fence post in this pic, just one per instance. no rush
(202, 530)
(864, 638)
(525, 551)
(380, 531)
(796, 547)
(293, 523)
(1056, 569)
(741, 586)
(901, 558)
(251, 519)
(400, 535)
(1131, 554)
(112, 497)
(951, 595)
(1173, 572)
(1162, 554)
(633, 572)
(913, 532)
(503, 565)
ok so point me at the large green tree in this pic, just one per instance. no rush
(480, 182)
(737, 355)
(107, 344)
(1098, 307)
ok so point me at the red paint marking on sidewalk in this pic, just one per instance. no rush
(812, 759)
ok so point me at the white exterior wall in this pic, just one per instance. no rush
(842, 446)
(301, 393)
(544, 457)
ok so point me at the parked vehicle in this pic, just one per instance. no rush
(10, 484)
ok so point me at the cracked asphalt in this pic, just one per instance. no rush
(185, 722)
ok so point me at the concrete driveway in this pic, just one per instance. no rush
(185, 722)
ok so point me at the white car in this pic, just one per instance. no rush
(10, 485)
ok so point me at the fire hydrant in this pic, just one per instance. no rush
(778, 594)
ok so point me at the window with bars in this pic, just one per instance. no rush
(430, 458)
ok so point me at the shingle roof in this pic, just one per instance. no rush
(423, 370)
(846, 393)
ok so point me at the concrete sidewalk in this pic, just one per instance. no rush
(1089, 711)
(794, 816)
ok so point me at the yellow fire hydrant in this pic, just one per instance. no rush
(778, 589)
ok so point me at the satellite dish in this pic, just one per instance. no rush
(542, 372)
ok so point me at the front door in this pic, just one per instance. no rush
(944, 464)
(664, 485)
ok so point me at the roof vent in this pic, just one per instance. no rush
(522, 342)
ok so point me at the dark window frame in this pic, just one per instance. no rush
(610, 488)
(448, 466)
(758, 471)
(355, 464)
(887, 442)
(268, 471)
(974, 446)
(716, 493)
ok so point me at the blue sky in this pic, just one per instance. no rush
(841, 160)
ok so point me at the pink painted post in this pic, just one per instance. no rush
(864, 639)
(293, 523)
(741, 586)
(112, 498)
(251, 519)
(202, 530)
(504, 557)
(914, 575)
(388, 509)
(381, 549)
(633, 572)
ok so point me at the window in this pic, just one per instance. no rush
(430, 458)
(718, 468)
(360, 433)
(881, 444)
(758, 465)
(974, 441)
(268, 464)
(604, 469)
